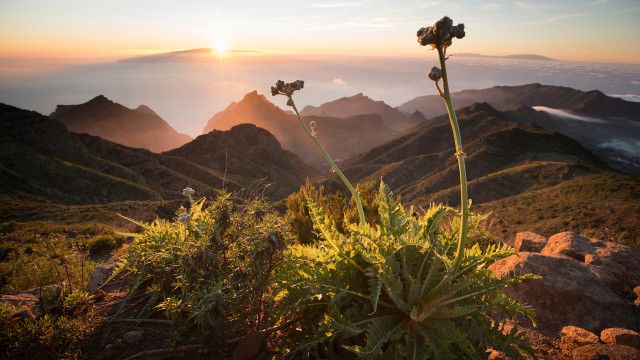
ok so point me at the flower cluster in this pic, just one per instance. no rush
(286, 89)
(188, 192)
(441, 33)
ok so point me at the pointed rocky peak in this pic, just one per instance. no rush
(253, 108)
(479, 107)
(100, 99)
(417, 117)
(145, 110)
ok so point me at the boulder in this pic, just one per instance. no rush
(529, 241)
(605, 352)
(569, 244)
(99, 276)
(569, 293)
(619, 336)
(572, 337)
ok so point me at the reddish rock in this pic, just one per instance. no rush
(569, 244)
(572, 337)
(569, 292)
(605, 352)
(619, 336)
(529, 241)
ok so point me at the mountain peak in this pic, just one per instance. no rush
(145, 110)
(100, 99)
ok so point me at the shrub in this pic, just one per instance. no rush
(392, 290)
(209, 269)
(47, 337)
(103, 244)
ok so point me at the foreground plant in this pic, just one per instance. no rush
(410, 286)
(287, 89)
(208, 269)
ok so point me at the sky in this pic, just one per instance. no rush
(98, 30)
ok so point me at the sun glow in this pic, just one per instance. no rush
(220, 46)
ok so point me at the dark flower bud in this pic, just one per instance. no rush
(441, 33)
(287, 89)
(297, 85)
(435, 74)
(289, 102)
(458, 31)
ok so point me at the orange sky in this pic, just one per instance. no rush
(599, 30)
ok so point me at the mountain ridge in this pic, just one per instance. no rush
(141, 127)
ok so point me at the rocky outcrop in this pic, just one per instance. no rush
(619, 336)
(585, 283)
(529, 241)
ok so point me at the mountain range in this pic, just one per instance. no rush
(42, 158)
(506, 160)
(140, 127)
(536, 155)
(361, 104)
(343, 137)
(607, 126)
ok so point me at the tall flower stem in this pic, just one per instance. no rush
(332, 163)
(457, 138)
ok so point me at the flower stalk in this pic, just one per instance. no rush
(440, 36)
(287, 89)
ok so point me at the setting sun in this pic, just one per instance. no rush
(220, 45)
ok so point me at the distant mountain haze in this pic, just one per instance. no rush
(342, 137)
(607, 126)
(361, 104)
(140, 127)
(592, 103)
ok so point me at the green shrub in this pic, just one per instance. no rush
(209, 269)
(47, 337)
(391, 290)
(103, 244)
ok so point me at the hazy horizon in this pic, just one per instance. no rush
(187, 90)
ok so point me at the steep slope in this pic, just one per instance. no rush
(251, 151)
(607, 126)
(361, 104)
(140, 127)
(615, 141)
(342, 137)
(591, 103)
(505, 161)
(40, 158)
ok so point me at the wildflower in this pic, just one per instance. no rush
(184, 217)
(440, 34)
(435, 74)
(286, 89)
(188, 192)
(312, 125)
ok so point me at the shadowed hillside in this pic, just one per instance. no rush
(40, 157)
(251, 151)
(342, 137)
(592, 103)
(504, 160)
(140, 127)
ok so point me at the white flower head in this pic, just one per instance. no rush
(184, 217)
(188, 191)
(313, 128)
